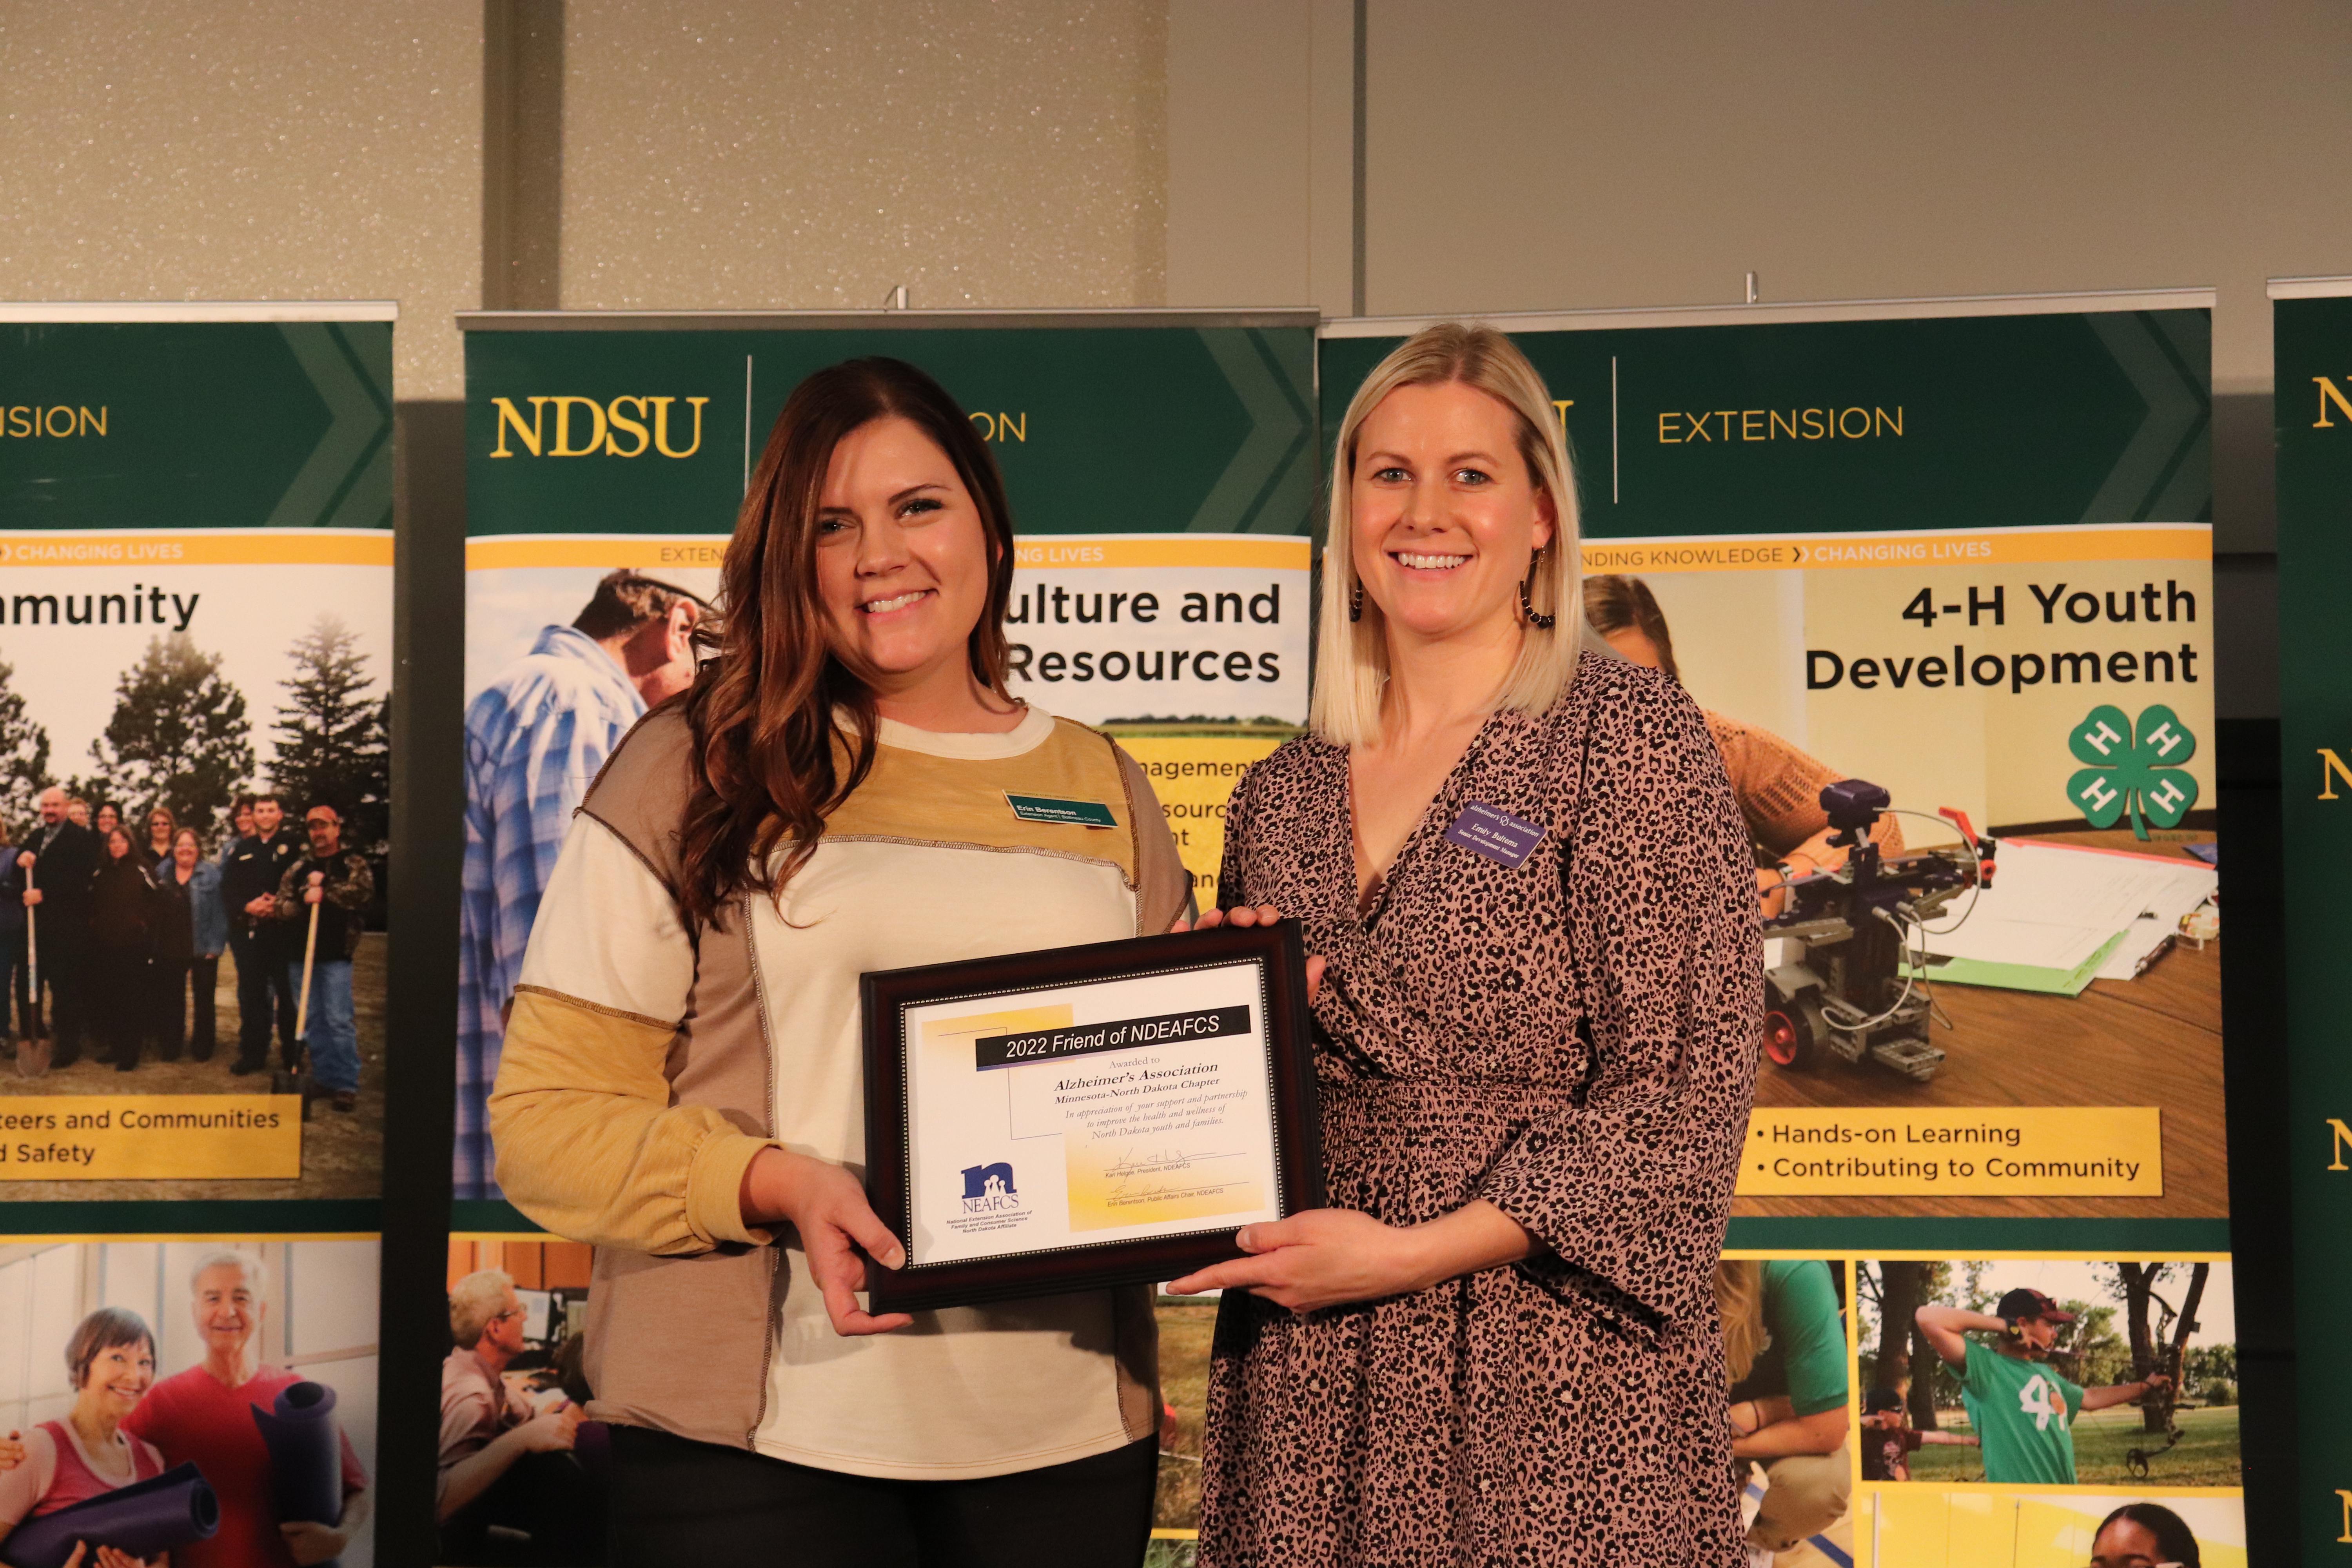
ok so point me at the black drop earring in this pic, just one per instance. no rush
(1356, 602)
(1527, 599)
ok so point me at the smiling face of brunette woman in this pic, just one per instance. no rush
(1447, 514)
(902, 559)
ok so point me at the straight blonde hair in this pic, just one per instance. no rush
(1739, 1302)
(1352, 656)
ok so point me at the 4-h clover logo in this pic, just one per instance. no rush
(2134, 768)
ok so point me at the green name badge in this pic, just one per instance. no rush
(1072, 813)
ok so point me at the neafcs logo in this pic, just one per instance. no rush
(988, 1189)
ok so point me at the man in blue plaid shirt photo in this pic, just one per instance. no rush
(535, 738)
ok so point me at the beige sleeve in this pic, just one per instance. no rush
(1163, 888)
(589, 1143)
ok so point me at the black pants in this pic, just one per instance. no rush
(262, 991)
(119, 1003)
(678, 1502)
(64, 1013)
(169, 1007)
(544, 1512)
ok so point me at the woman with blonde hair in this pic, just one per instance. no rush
(1784, 1352)
(1538, 1027)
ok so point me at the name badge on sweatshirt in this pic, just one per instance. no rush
(1495, 834)
(1068, 813)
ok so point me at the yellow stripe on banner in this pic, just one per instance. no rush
(2035, 1151)
(1816, 552)
(1288, 553)
(237, 547)
(652, 551)
(644, 552)
(149, 1137)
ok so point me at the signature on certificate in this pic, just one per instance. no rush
(1138, 1177)
(1158, 1162)
(1127, 1193)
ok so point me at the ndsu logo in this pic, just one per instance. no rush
(988, 1189)
(583, 427)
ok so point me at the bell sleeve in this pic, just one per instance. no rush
(1627, 1192)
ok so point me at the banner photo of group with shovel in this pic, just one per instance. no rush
(195, 648)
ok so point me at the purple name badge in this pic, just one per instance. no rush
(1497, 834)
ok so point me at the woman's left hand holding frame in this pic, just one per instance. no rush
(1328, 1257)
(839, 1231)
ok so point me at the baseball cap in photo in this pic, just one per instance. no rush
(2022, 1303)
(1879, 1400)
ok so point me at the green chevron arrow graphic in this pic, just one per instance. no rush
(1265, 486)
(2166, 471)
(346, 482)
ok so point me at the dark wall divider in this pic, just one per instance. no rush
(2253, 1013)
(428, 826)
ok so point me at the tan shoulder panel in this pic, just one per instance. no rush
(1163, 888)
(915, 797)
(641, 791)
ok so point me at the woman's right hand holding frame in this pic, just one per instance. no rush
(839, 1231)
(838, 1228)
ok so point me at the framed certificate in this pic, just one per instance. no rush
(1088, 1116)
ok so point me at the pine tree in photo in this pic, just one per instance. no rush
(179, 735)
(332, 736)
(23, 757)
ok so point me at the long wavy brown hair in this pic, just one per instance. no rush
(769, 761)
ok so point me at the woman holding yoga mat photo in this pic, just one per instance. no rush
(1521, 858)
(682, 1083)
(111, 1361)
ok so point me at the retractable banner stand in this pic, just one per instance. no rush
(196, 666)
(1161, 470)
(1939, 575)
(2311, 324)
(1160, 466)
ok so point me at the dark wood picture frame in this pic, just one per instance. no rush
(1297, 1143)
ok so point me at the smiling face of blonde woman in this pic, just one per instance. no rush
(1447, 514)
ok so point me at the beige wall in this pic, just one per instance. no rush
(1521, 153)
(1261, 153)
(1527, 154)
(813, 155)
(775, 155)
(265, 148)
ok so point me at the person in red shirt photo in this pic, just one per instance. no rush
(204, 1416)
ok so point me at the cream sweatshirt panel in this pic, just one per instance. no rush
(964, 1391)
(967, 1391)
(607, 930)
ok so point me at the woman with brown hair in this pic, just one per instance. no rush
(1538, 1027)
(121, 948)
(85, 1454)
(191, 931)
(161, 826)
(681, 1081)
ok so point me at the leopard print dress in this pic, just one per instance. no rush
(1573, 1040)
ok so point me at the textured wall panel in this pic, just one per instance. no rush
(814, 154)
(270, 148)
